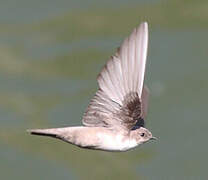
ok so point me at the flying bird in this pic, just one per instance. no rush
(115, 117)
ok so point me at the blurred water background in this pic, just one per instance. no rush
(50, 55)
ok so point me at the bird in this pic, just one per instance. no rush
(115, 117)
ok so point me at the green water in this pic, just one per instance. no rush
(50, 55)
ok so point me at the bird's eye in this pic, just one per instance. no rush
(142, 135)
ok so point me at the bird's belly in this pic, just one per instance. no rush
(116, 142)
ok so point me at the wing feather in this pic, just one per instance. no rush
(121, 99)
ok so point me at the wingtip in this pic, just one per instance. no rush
(145, 25)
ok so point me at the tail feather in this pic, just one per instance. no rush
(53, 132)
(44, 132)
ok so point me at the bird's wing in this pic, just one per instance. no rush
(121, 100)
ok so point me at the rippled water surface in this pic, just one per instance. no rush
(50, 55)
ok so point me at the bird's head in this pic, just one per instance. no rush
(142, 135)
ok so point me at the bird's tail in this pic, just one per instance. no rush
(53, 132)
(44, 132)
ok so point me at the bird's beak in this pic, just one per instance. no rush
(153, 138)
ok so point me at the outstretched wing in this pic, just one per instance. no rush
(121, 100)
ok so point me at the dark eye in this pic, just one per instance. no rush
(142, 135)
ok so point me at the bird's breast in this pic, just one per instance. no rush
(115, 142)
